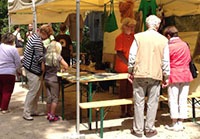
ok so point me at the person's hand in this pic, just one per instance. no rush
(43, 67)
(18, 72)
(64, 69)
(165, 84)
(130, 77)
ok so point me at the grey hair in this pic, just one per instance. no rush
(153, 22)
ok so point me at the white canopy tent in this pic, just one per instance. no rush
(20, 11)
(49, 11)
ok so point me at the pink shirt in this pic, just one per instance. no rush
(179, 61)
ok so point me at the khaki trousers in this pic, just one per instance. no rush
(34, 83)
(141, 88)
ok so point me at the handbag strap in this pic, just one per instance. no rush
(111, 6)
(189, 48)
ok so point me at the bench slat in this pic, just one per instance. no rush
(113, 102)
(105, 103)
(126, 101)
(194, 95)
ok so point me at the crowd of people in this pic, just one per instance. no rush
(152, 60)
(40, 63)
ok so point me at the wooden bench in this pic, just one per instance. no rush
(109, 103)
(117, 102)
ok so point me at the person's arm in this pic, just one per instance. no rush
(27, 34)
(43, 66)
(71, 50)
(131, 60)
(122, 57)
(166, 66)
(132, 56)
(17, 62)
(64, 64)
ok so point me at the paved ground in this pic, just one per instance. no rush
(13, 126)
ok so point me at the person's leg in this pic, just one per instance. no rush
(48, 100)
(122, 94)
(55, 96)
(184, 90)
(36, 99)
(48, 110)
(153, 93)
(129, 89)
(1, 88)
(8, 86)
(173, 93)
(139, 92)
(53, 108)
(34, 83)
(55, 91)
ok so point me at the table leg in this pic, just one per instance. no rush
(193, 110)
(81, 93)
(97, 118)
(89, 100)
(101, 120)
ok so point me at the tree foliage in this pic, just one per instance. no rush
(3, 16)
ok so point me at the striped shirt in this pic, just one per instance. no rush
(33, 55)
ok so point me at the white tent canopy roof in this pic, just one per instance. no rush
(20, 11)
(58, 6)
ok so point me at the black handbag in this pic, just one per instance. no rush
(193, 69)
(18, 43)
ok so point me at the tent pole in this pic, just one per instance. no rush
(9, 23)
(77, 65)
(34, 17)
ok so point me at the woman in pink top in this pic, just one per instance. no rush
(179, 79)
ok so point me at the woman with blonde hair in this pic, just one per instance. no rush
(52, 62)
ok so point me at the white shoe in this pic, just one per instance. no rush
(172, 127)
(5, 111)
(28, 118)
(180, 126)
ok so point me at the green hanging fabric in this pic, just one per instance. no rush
(111, 22)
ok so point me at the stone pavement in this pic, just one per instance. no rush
(13, 126)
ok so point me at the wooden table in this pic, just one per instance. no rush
(88, 79)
